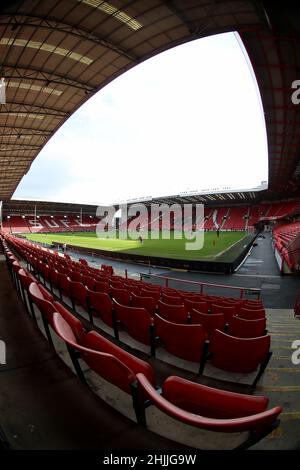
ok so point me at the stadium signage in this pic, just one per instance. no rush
(138, 222)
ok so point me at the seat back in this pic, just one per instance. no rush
(155, 294)
(251, 314)
(228, 311)
(88, 281)
(185, 341)
(199, 306)
(106, 365)
(246, 328)
(76, 276)
(76, 326)
(171, 299)
(101, 286)
(79, 293)
(121, 295)
(210, 322)
(43, 300)
(97, 342)
(238, 354)
(100, 304)
(25, 278)
(136, 320)
(172, 313)
(63, 284)
(146, 302)
(53, 274)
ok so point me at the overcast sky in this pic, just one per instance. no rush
(188, 119)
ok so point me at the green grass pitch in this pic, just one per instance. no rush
(223, 248)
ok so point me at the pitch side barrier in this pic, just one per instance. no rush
(242, 292)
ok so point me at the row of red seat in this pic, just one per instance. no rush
(81, 289)
(51, 223)
(146, 317)
(191, 403)
(35, 255)
(286, 238)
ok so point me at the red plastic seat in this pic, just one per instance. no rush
(134, 290)
(76, 276)
(210, 322)
(195, 304)
(44, 302)
(63, 284)
(73, 322)
(242, 355)
(120, 295)
(246, 328)
(137, 321)
(155, 294)
(172, 313)
(83, 261)
(228, 311)
(15, 269)
(146, 302)
(185, 341)
(172, 300)
(101, 286)
(100, 304)
(250, 314)
(117, 367)
(53, 275)
(25, 279)
(116, 284)
(253, 303)
(78, 295)
(88, 281)
(212, 409)
(97, 342)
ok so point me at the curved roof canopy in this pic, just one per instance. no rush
(55, 54)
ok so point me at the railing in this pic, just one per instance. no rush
(243, 291)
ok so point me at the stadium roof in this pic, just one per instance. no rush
(55, 54)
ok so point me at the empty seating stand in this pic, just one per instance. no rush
(122, 369)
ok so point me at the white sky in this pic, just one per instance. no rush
(187, 119)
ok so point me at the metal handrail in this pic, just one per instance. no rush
(201, 284)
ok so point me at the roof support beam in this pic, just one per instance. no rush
(19, 107)
(7, 131)
(70, 29)
(34, 73)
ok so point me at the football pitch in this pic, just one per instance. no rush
(225, 248)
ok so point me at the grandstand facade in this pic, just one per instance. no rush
(280, 217)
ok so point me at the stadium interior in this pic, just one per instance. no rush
(109, 344)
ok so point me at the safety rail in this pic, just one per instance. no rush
(242, 290)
